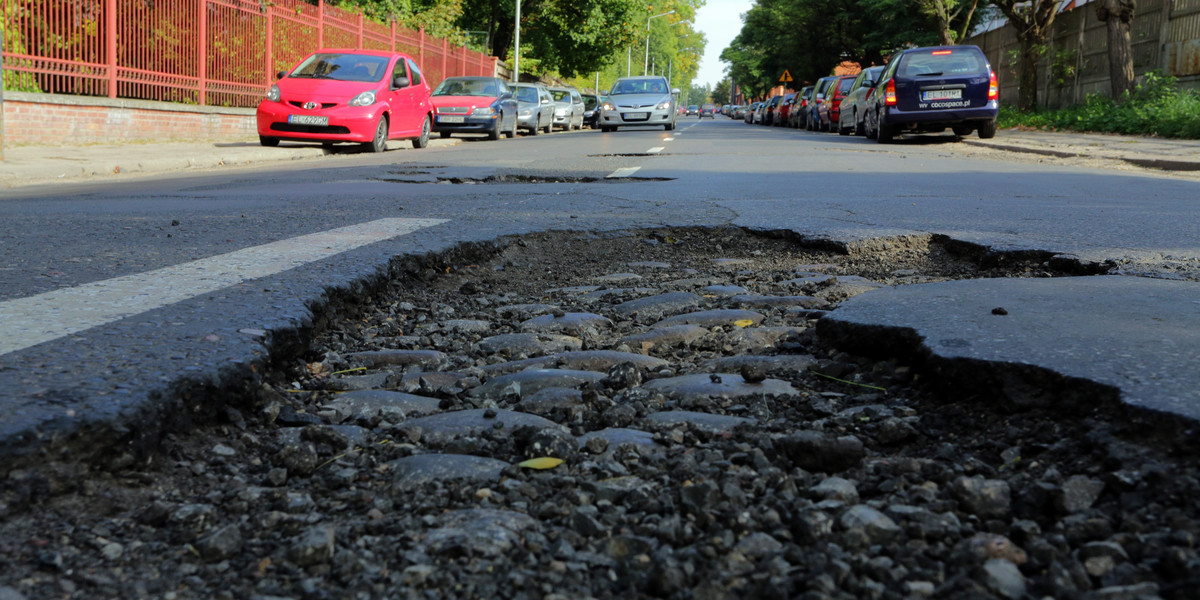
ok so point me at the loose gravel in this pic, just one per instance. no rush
(637, 414)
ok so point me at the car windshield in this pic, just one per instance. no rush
(527, 94)
(343, 67)
(561, 95)
(590, 102)
(639, 86)
(467, 87)
(934, 63)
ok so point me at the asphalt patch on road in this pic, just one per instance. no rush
(625, 414)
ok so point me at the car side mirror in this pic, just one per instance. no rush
(506, 95)
(545, 101)
(281, 75)
(400, 82)
(675, 91)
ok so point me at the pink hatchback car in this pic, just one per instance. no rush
(360, 96)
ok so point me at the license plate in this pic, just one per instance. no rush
(942, 95)
(452, 119)
(635, 116)
(307, 120)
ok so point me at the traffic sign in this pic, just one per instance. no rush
(786, 77)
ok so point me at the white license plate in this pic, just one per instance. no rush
(452, 119)
(307, 120)
(635, 116)
(942, 95)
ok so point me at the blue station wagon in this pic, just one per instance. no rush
(930, 89)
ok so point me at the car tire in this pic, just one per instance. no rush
(859, 128)
(669, 126)
(883, 133)
(423, 140)
(269, 142)
(987, 130)
(379, 143)
(843, 130)
(535, 130)
(495, 132)
(444, 134)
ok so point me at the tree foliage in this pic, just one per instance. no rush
(808, 38)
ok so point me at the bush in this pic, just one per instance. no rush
(1155, 107)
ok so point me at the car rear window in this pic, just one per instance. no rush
(944, 61)
(844, 85)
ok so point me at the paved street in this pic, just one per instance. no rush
(96, 330)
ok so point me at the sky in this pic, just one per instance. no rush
(721, 21)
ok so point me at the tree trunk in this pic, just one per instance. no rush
(1118, 19)
(1027, 72)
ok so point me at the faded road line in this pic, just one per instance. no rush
(655, 150)
(623, 172)
(26, 322)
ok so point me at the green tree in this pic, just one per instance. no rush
(722, 91)
(1031, 21)
(949, 19)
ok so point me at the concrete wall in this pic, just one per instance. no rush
(52, 119)
(1165, 35)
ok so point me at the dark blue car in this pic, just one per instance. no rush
(926, 90)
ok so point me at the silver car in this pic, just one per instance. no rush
(535, 107)
(639, 101)
(568, 108)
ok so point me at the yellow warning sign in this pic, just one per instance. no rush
(786, 77)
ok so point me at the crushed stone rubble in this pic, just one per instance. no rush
(709, 446)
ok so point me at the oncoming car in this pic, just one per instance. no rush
(337, 95)
(930, 89)
(639, 101)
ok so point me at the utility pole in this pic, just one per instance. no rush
(517, 51)
(1, 95)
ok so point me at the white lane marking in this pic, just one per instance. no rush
(26, 322)
(655, 150)
(670, 139)
(623, 172)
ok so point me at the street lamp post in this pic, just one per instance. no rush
(646, 62)
(517, 50)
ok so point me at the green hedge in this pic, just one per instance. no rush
(1155, 107)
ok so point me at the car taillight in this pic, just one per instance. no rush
(993, 87)
(889, 93)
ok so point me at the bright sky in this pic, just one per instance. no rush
(721, 21)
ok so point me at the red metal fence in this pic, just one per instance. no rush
(209, 52)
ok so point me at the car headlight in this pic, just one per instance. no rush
(273, 93)
(526, 112)
(664, 105)
(483, 111)
(364, 99)
(608, 106)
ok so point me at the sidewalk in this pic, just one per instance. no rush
(1148, 152)
(27, 165)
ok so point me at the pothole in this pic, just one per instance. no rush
(690, 436)
(513, 178)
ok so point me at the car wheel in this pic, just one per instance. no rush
(269, 142)
(494, 134)
(379, 144)
(859, 128)
(669, 126)
(536, 130)
(883, 132)
(423, 140)
(987, 130)
(444, 134)
(843, 130)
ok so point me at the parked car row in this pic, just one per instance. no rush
(919, 90)
(370, 97)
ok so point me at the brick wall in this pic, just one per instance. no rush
(51, 119)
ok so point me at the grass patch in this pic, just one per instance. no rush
(1155, 107)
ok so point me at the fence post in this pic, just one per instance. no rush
(445, 51)
(202, 53)
(270, 33)
(1, 95)
(360, 32)
(320, 23)
(421, 48)
(110, 44)
(1164, 34)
